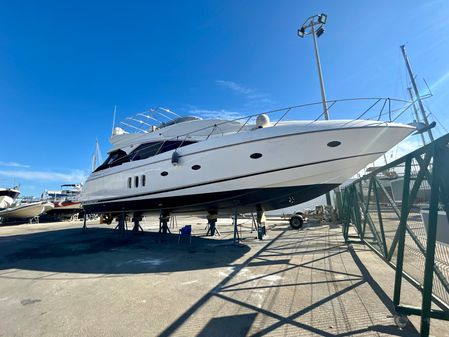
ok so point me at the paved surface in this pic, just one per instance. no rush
(57, 281)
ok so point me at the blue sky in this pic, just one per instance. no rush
(64, 65)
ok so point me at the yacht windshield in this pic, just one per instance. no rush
(115, 158)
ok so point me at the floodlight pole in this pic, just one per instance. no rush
(310, 24)
(320, 74)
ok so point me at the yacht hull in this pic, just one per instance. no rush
(64, 211)
(266, 169)
(245, 200)
(26, 211)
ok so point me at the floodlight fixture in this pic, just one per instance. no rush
(322, 18)
(319, 32)
(301, 32)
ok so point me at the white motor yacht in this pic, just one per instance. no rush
(191, 164)
(66, 202)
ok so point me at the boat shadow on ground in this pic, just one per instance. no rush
(103, 251)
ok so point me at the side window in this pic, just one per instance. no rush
(145, 151)
(172, 145)
(129, 182)
(143, 180)
(136, 181)
(168, 146)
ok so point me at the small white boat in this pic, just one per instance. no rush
(7, 197)
(26, 211)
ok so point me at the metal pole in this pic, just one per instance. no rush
(405, 208)
(415, 89)
(236, 231)
(320, 75)
(416, 112)
(431, 241)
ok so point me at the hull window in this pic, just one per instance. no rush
(334, 143)
(196, 167)
(256, 155)
(129, 182)
(136, 181)
(164, 173)
(144, 180)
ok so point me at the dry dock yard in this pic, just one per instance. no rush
(56, 280)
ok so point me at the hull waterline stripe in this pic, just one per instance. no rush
(233, 178)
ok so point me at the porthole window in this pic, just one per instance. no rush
(196, 167)
(144, 180)
(256, 155)
(129, 182)
(334, 143)
(136, 181)
(164, 173)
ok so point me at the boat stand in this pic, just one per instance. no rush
(260, 224)
(164, 219)
(84, 222)
(34, 220)
(122, 225)
(236, 231)
(211, 227)
(254, 226)
(137, 218)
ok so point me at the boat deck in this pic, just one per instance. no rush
(56, 280)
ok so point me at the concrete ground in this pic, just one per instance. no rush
(56, 280)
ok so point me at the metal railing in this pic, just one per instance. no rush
(404, 218)
(380, 107)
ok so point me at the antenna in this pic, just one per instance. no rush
(113, 120)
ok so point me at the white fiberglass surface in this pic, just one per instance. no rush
(233, 161)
